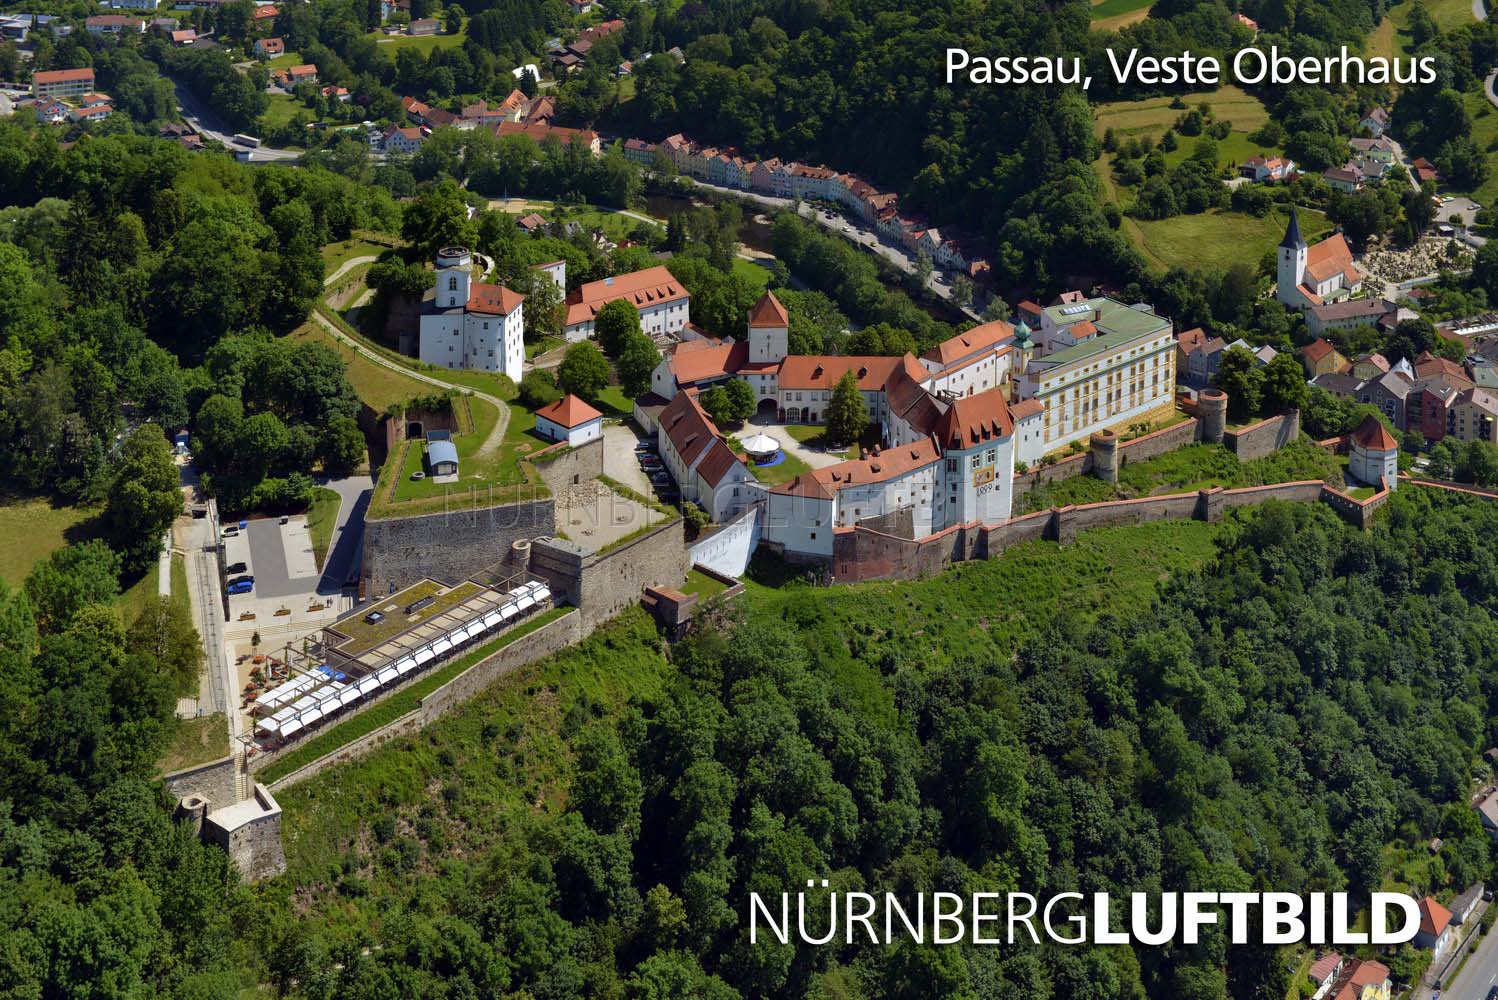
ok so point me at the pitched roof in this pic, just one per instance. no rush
(768, 312)
(1369, 309)
(890, 463)
(1190, 340)
(1324, 966)
(1481, 398)
(824, 372)
(1293, 240)
(979, 338)
(642, 289)
(717, 463)
(1330, 257)
(688, 427)
(63, 75)
(1355, 976)
(1374, 436)
(1427, 364)
(1318, 350)
(496, 300)
(1433, 916)
(1026, 408)
(973, 420)
(569, 411)
(705, 360)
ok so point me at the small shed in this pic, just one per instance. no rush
(442, 457)
(569, 419)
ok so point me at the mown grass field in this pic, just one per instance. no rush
(423, 45)
(1216, 239)
(322, 517)
(1485, 134)
(1110, 15)
(196, 741)
(1153, 116)
(33, 528)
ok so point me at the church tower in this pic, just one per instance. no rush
(769, 330)
(454, 275)
(1292, 263)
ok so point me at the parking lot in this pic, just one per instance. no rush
(621, 462)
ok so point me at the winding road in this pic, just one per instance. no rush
(496, 436)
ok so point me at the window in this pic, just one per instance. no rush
(452, 283)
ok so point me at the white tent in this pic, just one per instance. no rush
(760, 444)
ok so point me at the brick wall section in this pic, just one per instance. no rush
(527, 649)
(213, 781)
(1263, 438)
(1444, 484)
(571, 465)
(450, 545)
(1039, 475)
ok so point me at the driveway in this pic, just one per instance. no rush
(619, 462)
(1464, 207)
(813, 457)
(346, 547)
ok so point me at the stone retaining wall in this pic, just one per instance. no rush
(1263, 438)
(570, 465)
(449, 545)
(213, 781)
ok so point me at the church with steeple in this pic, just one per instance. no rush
(1311, 276)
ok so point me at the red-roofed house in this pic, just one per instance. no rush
(699, 459)
(296, 76)
(569, 419)
(1435, 931)
(1267, 168)
(56, 83)
(1320, 357)
(662, 301)
(973, 361)
(471, 325)
(1360, 979)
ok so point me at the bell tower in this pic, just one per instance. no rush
(1291, 263)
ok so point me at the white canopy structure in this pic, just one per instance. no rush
(760, 444)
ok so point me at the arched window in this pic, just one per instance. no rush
(452, 283)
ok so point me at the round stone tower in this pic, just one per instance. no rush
(1213, 404)
(1105, 455)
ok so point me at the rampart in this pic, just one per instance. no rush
(449, 545)
(561, 465)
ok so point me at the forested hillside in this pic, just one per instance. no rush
(1276, 718)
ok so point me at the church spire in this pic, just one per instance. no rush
(1292, 240)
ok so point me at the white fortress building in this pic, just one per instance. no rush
(469, 324)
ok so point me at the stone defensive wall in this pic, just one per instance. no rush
(452, 544)
(562, 465)
(601, 584)
(213, 782)
(1263, 438)
(1151, 445)
(860, 553)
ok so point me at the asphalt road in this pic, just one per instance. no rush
(1477, 977)
(202, 118)
(346, 548)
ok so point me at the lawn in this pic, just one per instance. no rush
(376, 384)
(704, 586)
(322, 517)
(281, 109)
(757, 277)
(335, 254)
(422, 45)
(1213, 240)
(196, 741)
(500, 467)
(814, 436)
(1231, 151)
(1153, 116)
(408, 699)
(1110, 15)
(614, 403)
(33, 527)
(615, 226)
(1485, 134)
(772, 475)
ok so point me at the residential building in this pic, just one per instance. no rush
(1311, 276)
(114, 24)
(1379, 148)
(1267, 168)
(266, 12)
(1186, 342)
(1428, 408)
(403, 140)
(1423, 170)
(1341, 384)
(1474, 416)
(569, 419)
(639, 151)
(1370, 366)
(295, 76)
(530, 223)
(50, 111)
(1121, 371)
(423, 26)
(1487, 813)
(1436, 934)
(1390, 394)
(1323, 972)
(184, 36)
(1346, 314)
(339, 94)
(662, 301)
(1359, 979)
(62, 83)
(471, 325)
(1375, 121)
(147, 5)
(1246, 21)
(97, 113)
(269, 48)
(1202, 362)
(1321, 357)
(539, 132)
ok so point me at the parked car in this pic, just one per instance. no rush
(660, 478)
(241, 579)
(241, 586)
(230, 532)
(650, 463)
(645, 446)
(238, 567)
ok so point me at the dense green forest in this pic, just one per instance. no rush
(1278, 714)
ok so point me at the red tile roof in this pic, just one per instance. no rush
(1433, 916)
(495, 300)
(823, 372)
(1317, 350)
(47, 76)
(717, 463)
(768, 312)
(979, 338)
(1191, 339)
(569, 411)
(1330, 257)
(973, 420)
(1324, 967)
(641, 289)
(1026, 408)
(891, 463)
(688, 427)
(705, 360)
